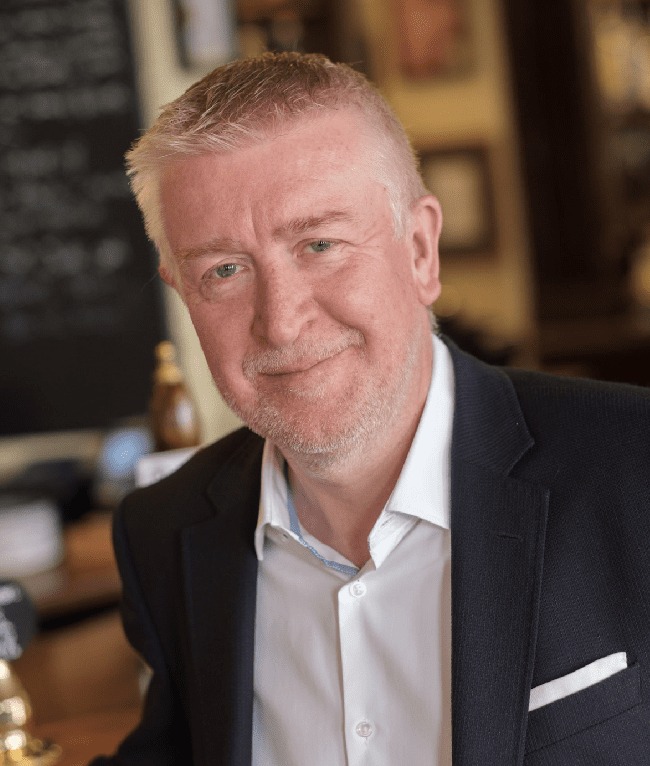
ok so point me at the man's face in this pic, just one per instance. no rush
(310, 313)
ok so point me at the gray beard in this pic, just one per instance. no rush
(379, 405)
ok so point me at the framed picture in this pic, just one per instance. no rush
(460, 179)
(434, 37)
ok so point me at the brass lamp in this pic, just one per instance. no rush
(17, 622)
(18, 746)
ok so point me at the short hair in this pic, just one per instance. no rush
(244, 102)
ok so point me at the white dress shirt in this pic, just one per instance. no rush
(353, 667)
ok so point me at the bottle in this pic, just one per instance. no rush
(172, 412)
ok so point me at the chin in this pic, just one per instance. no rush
(308, 422)
(327, 439)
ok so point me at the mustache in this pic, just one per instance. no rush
(301, 355)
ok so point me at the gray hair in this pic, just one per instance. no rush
(245, 101)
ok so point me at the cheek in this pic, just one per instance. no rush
(379, 295)
(222, 339)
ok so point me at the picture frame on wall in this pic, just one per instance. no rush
(460, 178)
(434, 38)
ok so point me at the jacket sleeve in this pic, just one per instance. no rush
(162, 737)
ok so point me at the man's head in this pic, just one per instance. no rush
(250, 99)
(309, 302)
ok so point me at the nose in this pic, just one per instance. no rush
(284, 304)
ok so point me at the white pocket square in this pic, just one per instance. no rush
(591, 674)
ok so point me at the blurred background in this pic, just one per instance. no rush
(532, 124)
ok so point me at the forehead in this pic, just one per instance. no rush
(323, 160)
(328, 137)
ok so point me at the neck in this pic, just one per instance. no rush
(338, 500)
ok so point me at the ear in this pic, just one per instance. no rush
(426, 222)
(167, 276)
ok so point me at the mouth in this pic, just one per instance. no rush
(299, 360)
(299, 368)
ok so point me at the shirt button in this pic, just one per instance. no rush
(364, 729)
(358, 589)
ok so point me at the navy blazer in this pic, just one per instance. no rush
(550, 534)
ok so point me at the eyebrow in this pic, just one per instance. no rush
(292, 227)
(216, 245)
(308, 223)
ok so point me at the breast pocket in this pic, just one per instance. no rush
(559, 721)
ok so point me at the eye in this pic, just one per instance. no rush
(320, 245)
(224, 271)
(211, 283)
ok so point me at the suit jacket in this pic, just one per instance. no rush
(550, 531)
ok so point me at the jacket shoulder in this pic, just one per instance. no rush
(182, 497)
(595, 426)
(573, 396)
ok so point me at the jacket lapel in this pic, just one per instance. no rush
(220, 569)
(497, 535)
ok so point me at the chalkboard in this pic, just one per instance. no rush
(80, 305)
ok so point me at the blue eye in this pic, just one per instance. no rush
(226, 270)
(321, 245)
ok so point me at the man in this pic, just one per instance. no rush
(406, 542)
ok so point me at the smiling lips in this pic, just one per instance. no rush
(301, 368)
(297, 359)
(297, 368)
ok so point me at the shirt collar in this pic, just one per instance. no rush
(273, 496)
(423, 487)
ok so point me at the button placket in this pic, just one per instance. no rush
(360, 727)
